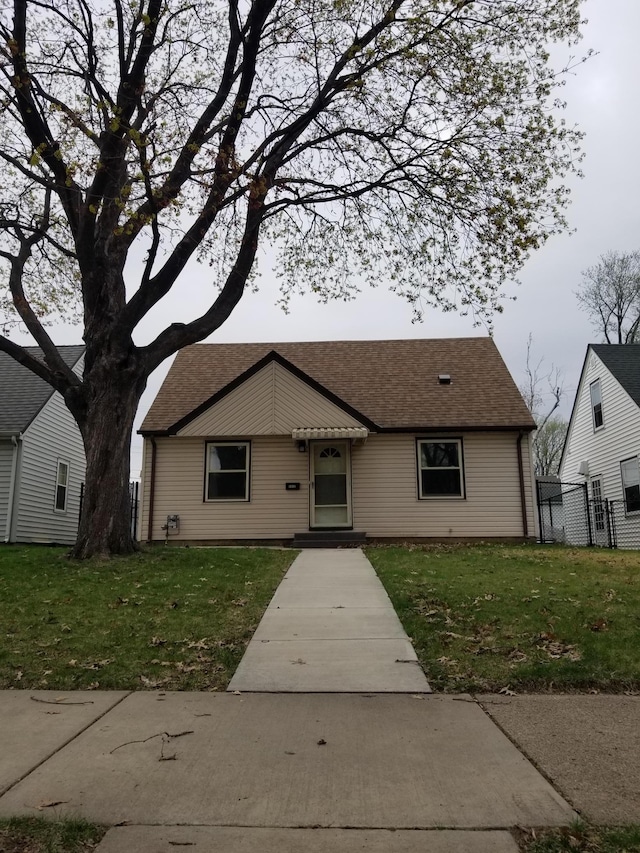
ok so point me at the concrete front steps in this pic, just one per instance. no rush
(329, 539)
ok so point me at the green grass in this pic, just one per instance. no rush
(582, 839)
(171, 618)
(532, 618)
(37, 835)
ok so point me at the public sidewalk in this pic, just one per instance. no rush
(330, 628)
(187, 768)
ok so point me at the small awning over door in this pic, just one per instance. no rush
(324, 433)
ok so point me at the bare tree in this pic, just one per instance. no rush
(543, 392)
(404, 141)
(610, 295)
(549, 444)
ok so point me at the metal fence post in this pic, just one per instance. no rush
(543, 538)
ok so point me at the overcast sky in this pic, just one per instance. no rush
(602, 99)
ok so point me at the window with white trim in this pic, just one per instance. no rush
(62, 486)
(596, 404)
(630, 473)
(440, 472)
(227, 471)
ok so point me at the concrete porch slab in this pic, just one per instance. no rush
(262, 760)
(304, 623)
(160, 839)
(37, 723)
(330, 666)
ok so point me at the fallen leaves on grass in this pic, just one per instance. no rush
(153, 682)
(556, 649)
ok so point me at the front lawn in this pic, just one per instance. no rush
(523, 617)
(171, 618)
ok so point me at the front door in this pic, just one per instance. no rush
(330, 484)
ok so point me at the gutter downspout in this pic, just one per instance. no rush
(523, 500)
(152, 489)
(12, 486)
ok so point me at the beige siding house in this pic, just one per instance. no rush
(42, 462)
(338, 441)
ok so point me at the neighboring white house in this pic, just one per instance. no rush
(42, 462)
(603, 443)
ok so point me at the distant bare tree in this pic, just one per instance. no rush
(548, 440)
(548, 444)
(610, 295)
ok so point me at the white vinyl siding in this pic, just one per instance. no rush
(6, 462)
(273, 512)
(273, 402)
(385, 490)
(384, 485)
(605, 449)
(52, 436)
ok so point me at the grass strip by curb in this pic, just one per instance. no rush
(39, 835)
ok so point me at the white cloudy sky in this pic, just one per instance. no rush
(605, 214)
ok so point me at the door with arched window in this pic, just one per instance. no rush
(330, 484)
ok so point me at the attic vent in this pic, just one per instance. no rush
(444, 379)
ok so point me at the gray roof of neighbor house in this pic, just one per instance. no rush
(22, 393)
(390, 385)
(623, 362)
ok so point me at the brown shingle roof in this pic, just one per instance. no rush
(394, 384)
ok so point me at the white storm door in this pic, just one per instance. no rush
(330, 484)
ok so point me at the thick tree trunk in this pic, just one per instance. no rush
(106, 426)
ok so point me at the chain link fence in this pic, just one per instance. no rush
(569, 516)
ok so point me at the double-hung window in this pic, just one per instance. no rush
(440, 473)
(596, 404)
(62, 486)
(227, 471)
(630, 472)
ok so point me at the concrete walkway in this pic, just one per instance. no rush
(330, 628)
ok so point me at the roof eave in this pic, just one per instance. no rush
(426, 428)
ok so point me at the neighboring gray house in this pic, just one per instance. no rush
(42, 463)
(602, 449)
